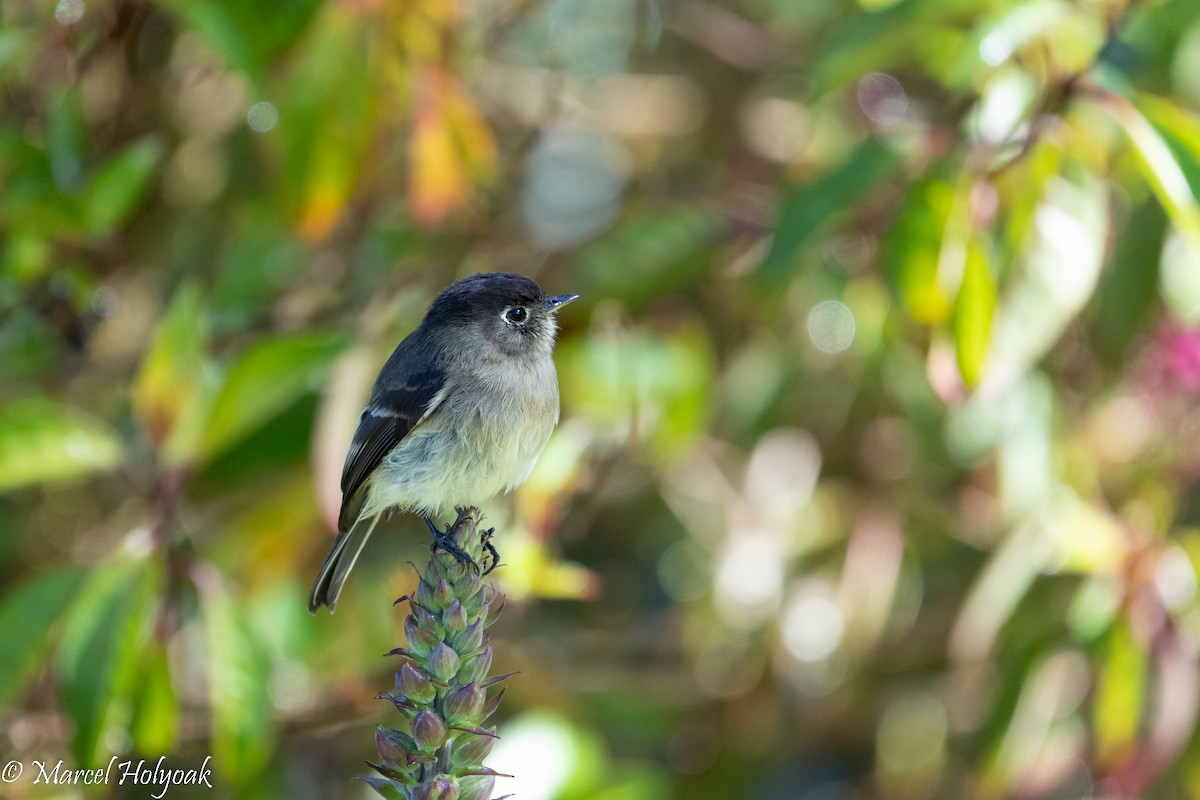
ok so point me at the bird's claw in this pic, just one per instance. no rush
(485, 539)
(442, 540)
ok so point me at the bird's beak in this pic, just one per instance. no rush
(556, 301)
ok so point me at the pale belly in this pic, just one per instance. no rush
(466, 452)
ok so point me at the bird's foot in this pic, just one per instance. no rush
(485, 539)
(442, 540)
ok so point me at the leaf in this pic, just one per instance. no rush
(807, 206)
(263, 382)
(1128, 286)
(973, 312)
(238, 677)
(1120, 695)
(116, 189)
(244, 38)
(27, 613)
(42, 441)
(450, 149)
(437, 179)
(329, 102)
(1180, 131)
(914, 245)
(1167, 152)
(155, 723)
(98, 652)
(168, 385)
(66, 139)
(907, 31)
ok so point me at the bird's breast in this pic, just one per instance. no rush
(484, 439)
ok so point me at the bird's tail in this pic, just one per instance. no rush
(345, 551)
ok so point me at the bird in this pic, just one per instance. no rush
(459, 413)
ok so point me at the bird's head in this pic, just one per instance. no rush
(509, 311)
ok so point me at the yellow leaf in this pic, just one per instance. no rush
(438, 180)
(1119, 696)
(171, 375)
(473, 136)
(322, 208)
(973, 312)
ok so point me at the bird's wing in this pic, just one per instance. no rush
(387, 419)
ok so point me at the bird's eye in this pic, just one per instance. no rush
(516, 315)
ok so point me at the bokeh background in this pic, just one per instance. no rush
(877, 472)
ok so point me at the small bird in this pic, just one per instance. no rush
(460, 412)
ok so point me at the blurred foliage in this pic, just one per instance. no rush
(877, 474)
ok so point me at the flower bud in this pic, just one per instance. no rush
(468, 639)
(441, 788)
(442, 594)
(425, 618)
(443, 661)
(425, 595)
(416, 686)
(476, 666)
(420, 641)
(464, 705)
(393, 746)
(454, 617)
(473, 603)
(477, 787)
(429, 731)
(470, 750)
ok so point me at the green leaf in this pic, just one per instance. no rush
(117, 187)
(1165, 143)
(1180, 131)
(98, 653)
(66, 139)
(1120, 695)
(26, 616)
(329, 103)
(42, 441)
(265, 381)
(809, 205)
(239, 676)
(907, 32)
(242, 36)
(973, 312)
(914, 246)
(1128, 286)
(155, 723)
(168, 393)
